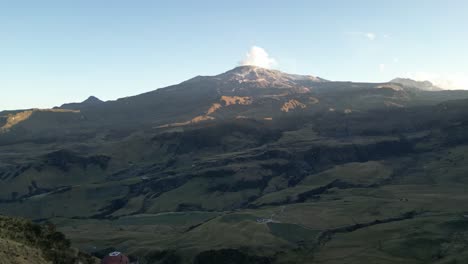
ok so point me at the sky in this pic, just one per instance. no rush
(58, 51)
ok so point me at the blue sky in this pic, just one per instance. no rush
(56, 51)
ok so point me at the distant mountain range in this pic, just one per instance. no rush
(424, 85)
(243, 92)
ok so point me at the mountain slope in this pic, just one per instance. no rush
(244, 92)
(286, 175)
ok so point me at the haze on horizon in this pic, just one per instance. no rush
(53, 52)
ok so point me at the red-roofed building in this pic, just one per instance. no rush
(115, 258)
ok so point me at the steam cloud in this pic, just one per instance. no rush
(447, 81)
(258, 57)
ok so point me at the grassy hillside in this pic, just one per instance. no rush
(24, 242)
(294, 190)
(362, 173)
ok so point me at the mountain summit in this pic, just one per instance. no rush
(90, 101)
(421, 85)
(246, 78)
(263, 76)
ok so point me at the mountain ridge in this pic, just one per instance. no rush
(242, 92)
(422, 85)
(89, 102)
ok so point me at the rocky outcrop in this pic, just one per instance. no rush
(236, 100)
(213, 108)
(12, 120)
(292, 105)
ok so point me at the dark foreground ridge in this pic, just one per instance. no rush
(25, 242)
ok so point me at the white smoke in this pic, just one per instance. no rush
(382, 68)
(447, 81)
(258, 57)
(370, 35)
